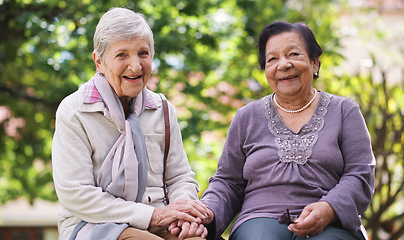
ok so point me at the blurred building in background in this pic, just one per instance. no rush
(372, 38)
(19, 220)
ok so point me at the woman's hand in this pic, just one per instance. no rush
(313, 220)
(188, 210)
(187, 229)
(210, 217)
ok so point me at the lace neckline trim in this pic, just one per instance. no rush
(296, 147)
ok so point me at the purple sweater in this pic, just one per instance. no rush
(266, 168)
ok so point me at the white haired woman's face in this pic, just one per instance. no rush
(127, 66)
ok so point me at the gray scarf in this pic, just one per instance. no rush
(123, 172)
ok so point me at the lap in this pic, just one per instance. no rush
(132, 233)
(269, 228)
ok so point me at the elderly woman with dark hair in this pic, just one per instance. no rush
(109, 144)
(297, 163)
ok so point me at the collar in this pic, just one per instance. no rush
(91, 95)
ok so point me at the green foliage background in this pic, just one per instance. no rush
(205, 63)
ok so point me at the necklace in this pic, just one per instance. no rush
(298, 110)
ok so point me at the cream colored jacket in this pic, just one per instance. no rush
(83, 135)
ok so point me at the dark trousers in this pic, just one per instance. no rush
(270, 229)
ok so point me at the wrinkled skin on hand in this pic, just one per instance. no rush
(187, 210)
(186, 229)
(313, 220)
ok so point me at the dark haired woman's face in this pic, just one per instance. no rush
(288, 68)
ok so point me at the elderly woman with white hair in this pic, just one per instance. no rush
(110, 144)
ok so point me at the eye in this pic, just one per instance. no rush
(271, 59)
(144, 53)
(120, 55)
(294, 54)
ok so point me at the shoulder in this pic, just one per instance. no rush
(253, 106)
(254, 111)
(69, 105)
(152, 97)
(154, 108)
(73, 104)
(155, 101)
(337, 101)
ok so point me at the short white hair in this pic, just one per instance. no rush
(121, 24)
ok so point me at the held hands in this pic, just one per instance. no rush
(187, 229)
(186, 210)
(191, 229)
(313, 220)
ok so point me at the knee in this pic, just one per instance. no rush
(132, 233)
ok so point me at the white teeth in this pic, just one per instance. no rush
(132, 77)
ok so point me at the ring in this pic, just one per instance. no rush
(307, 236)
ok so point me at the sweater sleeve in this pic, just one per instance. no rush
(352, 195)
(225, 193)
(74, 179)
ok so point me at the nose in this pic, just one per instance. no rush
(134, 64)
(284, 64)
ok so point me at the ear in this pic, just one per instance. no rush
(316, 64)
(98, 62)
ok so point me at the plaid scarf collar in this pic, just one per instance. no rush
(91, 95)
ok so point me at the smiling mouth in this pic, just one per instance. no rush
(132, 78)
(288, 77)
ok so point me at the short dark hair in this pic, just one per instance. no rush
(312, 47)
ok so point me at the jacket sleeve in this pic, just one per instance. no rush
(352, 195)
(74, 177)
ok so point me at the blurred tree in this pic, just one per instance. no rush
(385, 111)
(205, 62)
(381, 97)
(383, 108)
(44, 55)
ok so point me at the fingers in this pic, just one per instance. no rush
(302, 233)
(205, 232)
(184, 230)
(192, 207)
(174, 229)
(186, 218)
(202, 231)
(180, 222)
(313, 220)
(210, 217)
(309, 226)
(192, 230)
(184, 210)
(172, 225)
(163, 217)
(305, 213)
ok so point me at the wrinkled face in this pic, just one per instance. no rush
(288, 68)
(127, 66)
